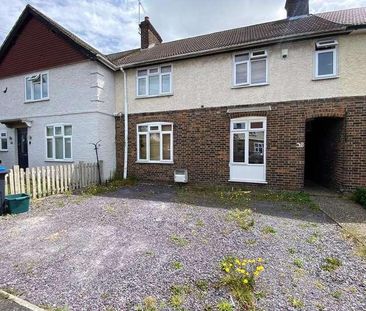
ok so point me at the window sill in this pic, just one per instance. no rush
(155, 162)
(325, 78)
(245, 164)
(154, 96)
(249, 181)
(248, 85)
(62, 161)
(36, 100)
(4, 150)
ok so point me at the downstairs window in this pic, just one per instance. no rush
(155, 142)
(59, 142)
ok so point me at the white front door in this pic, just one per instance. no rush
(248, 150)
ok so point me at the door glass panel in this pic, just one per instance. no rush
(142, 144)
(155, 147)
(166, 146)
(59, 146)
(256, 147)
(239, 147)
(4, 144)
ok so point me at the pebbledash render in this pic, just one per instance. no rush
(280, 104)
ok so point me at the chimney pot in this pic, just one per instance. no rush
(149, 35)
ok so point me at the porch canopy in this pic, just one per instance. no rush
(16, 123)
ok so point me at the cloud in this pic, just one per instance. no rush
(112, 25)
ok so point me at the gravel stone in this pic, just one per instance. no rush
(112, 251)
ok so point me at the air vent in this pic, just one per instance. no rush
(181, 176)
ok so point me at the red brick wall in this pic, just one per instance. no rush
(202, 138)
(36, 48)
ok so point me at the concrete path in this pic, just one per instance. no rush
(9, 305)
(349, 215)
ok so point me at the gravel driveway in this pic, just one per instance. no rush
(110, 252)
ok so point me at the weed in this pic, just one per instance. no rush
(200, 223)
(291, 251)
(240, 275)
(178, 295)
(337, 294)
(243, 218)
(110, 186)
(225, 305)
(298, 263)
(149, 254)
(320, 307)
(149, 304)
(178, 240)
(319, 285)
(177, 265)
(202, 285)
(314, 237)
(331, 264)
(260, 295)
(250, 241)
(360, 196)
(269, 230)
(296, 303)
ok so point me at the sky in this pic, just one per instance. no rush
(112, 25)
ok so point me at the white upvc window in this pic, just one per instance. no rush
(3, 141)
(250, 68)
(37, 87)
(154, 81)
(59, 142)
(326, 59)
(155, 142)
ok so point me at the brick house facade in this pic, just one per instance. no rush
(201, 143)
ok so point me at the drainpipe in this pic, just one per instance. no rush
(125, 124)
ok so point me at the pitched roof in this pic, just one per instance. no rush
(347, 17)
(260, 34)
(29, 10)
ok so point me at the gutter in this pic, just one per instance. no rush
(106, 62)
(308, 35)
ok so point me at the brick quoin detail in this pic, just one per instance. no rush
(202, 140)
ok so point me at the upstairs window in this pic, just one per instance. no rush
(59, 142)
(155, 142)
(154, 81)
(3, 141)
(326, 59)
(250, 68)
(36, 87)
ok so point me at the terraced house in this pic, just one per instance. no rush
(275, 104)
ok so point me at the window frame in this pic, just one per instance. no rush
(158, 73)
(62, 125)
(252, 58)
(246, 131)
(1, 139)
(32, 88)
(332, 46)
(147, 135)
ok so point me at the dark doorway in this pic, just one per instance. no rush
(323, 152)
(22, 147)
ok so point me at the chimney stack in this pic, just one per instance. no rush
(149, 35)
(296, 8)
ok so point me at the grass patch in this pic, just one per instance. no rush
(200, 223)
(269, 230)
(225, 305)
(110, 186)
(239, 277)
(230, 197)
(178, 240)
(298, 263)
(314, 237)
(243, 218)
(176, 265)
(149, 303)
(296, 303)
(291, 251)
(331, 264)
(178, 296)
(337, 294)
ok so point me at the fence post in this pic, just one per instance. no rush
(11, 181)
(44, 186)
(39, 184)
(101, 171)
(16, 179)
(6, 184)
(34, 185)
(22, 181)
(27, 181)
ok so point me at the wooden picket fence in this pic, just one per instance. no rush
(43, 181)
